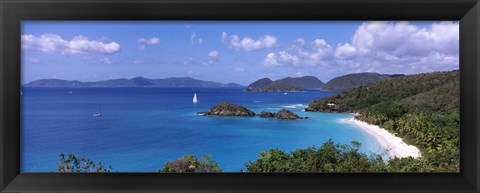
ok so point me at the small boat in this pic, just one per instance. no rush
(285, 93)
(195, 100)
(70, 92)
(97, 114)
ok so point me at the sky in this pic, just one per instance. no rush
(234, 51)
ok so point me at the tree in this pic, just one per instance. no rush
(190, 163)
(72, 163)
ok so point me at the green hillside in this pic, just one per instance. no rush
(306, 82)
(423, 109)
(350, 81)
(285, 85)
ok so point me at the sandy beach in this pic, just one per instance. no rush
(393, 144)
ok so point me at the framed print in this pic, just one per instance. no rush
(287, 96)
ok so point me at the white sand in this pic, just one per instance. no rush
(393, 144)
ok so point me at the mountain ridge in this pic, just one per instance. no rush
(350, 81)
(287, 84)
(138, 81)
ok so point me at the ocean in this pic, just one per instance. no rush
(140, 129)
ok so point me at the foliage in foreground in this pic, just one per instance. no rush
(332, 157)
(190, 163)
(72, 163)
(329, 157)
(187, 163)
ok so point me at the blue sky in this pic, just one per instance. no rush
(234, 51)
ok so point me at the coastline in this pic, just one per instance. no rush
(392, 144)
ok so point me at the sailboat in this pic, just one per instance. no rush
(195, 98)
(97, 114)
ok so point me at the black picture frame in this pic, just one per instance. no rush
(12, 12)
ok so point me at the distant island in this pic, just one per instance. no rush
(341, 83)
(134, 82)
(288, 84)
(285, 85)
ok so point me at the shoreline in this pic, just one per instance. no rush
(393, 145)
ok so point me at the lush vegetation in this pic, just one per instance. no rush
(187, 163)
(286, 115)
(306, 82)
(332, 157)
(423, 109)
(190, 163)
(72, 163)
(267, 85)
(329, 157)
(281, 114)
(229, 109)
(350, 81)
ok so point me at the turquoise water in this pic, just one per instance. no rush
(142, 128)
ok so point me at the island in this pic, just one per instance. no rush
(282, 115)
(133, 82)
(233, 110)
(287, 115)
(229, 109)
(288, 84)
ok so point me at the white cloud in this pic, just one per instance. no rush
(143, 42)
(402, 39)
(192, 38)
(239, 69)
(149, 41)
(280, 58)
(387, 47)
(320, 43)
(345, 51)
(316, 52)
(213, 54)
(300, 41)
(224, 36)
(81, 44)
(247, 43)
(51, 43)
(401, 47)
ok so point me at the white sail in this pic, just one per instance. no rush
(97, 114)
(195, 98)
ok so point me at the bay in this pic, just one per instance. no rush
(140, 129)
